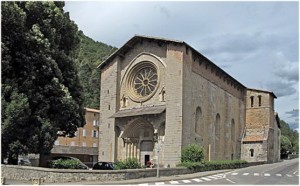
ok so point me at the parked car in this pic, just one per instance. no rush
(104, 166)
(81, 165)
(24, 162)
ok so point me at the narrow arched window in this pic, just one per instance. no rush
(218, 135)
(198, 121)
(251, 152)
(232, 130)
(259, 100)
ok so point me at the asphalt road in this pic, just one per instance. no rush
(281, 173)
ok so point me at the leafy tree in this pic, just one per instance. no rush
(292, 136)
(286, 144)
(192, 153)
(41, 92)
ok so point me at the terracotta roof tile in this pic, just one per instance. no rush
(253, 138)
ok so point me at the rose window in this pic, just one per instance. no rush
(142, 81)
(145, 81)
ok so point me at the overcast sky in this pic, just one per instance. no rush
(257, 43)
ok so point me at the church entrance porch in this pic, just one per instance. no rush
(138, 138)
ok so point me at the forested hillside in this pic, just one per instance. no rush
(289, 139)
(91, 54)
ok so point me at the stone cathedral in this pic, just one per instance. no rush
(160, 95)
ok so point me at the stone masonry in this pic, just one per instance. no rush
(160, 95)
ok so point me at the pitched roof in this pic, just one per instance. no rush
(265, 91)
(92, 110)
(250, 138)
(138, 38)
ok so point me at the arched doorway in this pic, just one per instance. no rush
(138, 140)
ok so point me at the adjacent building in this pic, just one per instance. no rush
(159, 95)
(261, 138)
(84, 145)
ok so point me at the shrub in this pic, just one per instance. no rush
(129, 163)
(214, 165)
(65, 164)
(192, 153)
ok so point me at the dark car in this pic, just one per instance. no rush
(81, 165)
(104, 166)
(24, 162)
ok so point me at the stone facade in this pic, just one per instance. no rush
(261, 138)
(158, 96)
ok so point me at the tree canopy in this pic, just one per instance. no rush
(289, 139)
(41, 91)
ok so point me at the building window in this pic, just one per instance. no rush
(94, 133)
(95, 123)
(218, 140)
(232, 131)
(251, 100)
(259, 100)
(198, 126)
(251, 152)
(72, 143)
(84, 144)
(145, 81)
(83, 132)
(94, 144)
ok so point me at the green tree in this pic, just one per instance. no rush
(41, 92)
(293, 137)
(192, 153)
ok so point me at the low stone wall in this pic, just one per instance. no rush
(46, 175)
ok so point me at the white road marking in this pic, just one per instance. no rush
(213, 177)
(159, 183)
(174, 182)
(289, 175)
(206, 179)
(278, 175)
(246, 173)
(256, 174)
(235, 173)
(230, 180)
(197, 180)
(295, 172)
(186, 181)
(142, 184)
(267, 174)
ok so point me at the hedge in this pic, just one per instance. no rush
(214, 165)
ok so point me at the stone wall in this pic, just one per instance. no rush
(65, 175)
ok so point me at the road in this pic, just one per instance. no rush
(281, 173)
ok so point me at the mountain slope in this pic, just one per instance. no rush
(91, 54)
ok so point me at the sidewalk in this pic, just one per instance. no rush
(128, 182)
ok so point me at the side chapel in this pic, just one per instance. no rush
(159, 95)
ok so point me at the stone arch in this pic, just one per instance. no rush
(133, 129)
(138, 139)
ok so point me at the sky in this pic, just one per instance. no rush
(257, 43)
